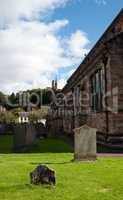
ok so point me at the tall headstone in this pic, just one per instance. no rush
(24, 135)
(84, 143)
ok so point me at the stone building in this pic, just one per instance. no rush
(93, 95)
(23, 117)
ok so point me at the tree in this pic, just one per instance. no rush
(16, 111)
(11, 101)
(7, 117)
(35, 116)
(38, 97)
(2, 99)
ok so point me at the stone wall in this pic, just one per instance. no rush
(110, 120)
(107, 55)
(116, 63)
(6, 129)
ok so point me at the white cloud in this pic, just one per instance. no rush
(103, 2)
(13, 10)
(31, 51)
(77, 44)
(61, 83)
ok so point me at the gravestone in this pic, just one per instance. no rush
(24, 135)
(85, 143)
(43, 175)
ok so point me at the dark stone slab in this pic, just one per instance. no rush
(43, 175)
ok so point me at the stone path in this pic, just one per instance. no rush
(110, 155)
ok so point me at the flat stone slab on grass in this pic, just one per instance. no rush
(43, 175)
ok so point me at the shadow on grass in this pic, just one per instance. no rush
(50, 163)
(6, 144)
(24, 186)
(49, 145)
(5, 151)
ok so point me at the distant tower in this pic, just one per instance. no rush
(56, 85)
(53, 84)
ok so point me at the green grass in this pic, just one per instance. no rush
(6, 143)
(50, 145)
(102, 179)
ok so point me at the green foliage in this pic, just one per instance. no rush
(7, 117)
(6, 143)
(13, 100)
(16, 111)
(43, 94)
(34, 116)
(2, 99)
(51, 145)
(10, 116)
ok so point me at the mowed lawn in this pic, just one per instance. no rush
(100, 180)
(6, 143)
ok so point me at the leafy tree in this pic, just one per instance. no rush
(33, 117)
(2, 99)
(39, 114)
(16, 111)
(7, 117)
(12, 101)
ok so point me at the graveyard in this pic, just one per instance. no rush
(101, 179)
(61, 100)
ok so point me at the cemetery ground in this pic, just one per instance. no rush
(102, 179)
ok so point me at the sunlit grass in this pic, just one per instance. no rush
(102, 179)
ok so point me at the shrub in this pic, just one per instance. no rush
(35, 116)
(7, 117)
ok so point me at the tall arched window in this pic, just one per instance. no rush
(97, 90)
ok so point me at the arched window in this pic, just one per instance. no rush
(97, 90)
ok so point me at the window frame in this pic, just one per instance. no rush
(97, 88)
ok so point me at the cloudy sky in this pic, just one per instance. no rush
(44, 39)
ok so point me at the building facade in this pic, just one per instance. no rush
(93, 95)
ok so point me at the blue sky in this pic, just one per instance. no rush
(44, 39)
(93, 18)
(89, 16)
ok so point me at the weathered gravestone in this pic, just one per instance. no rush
(24, 135)
(85, 143)
(43, 175)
